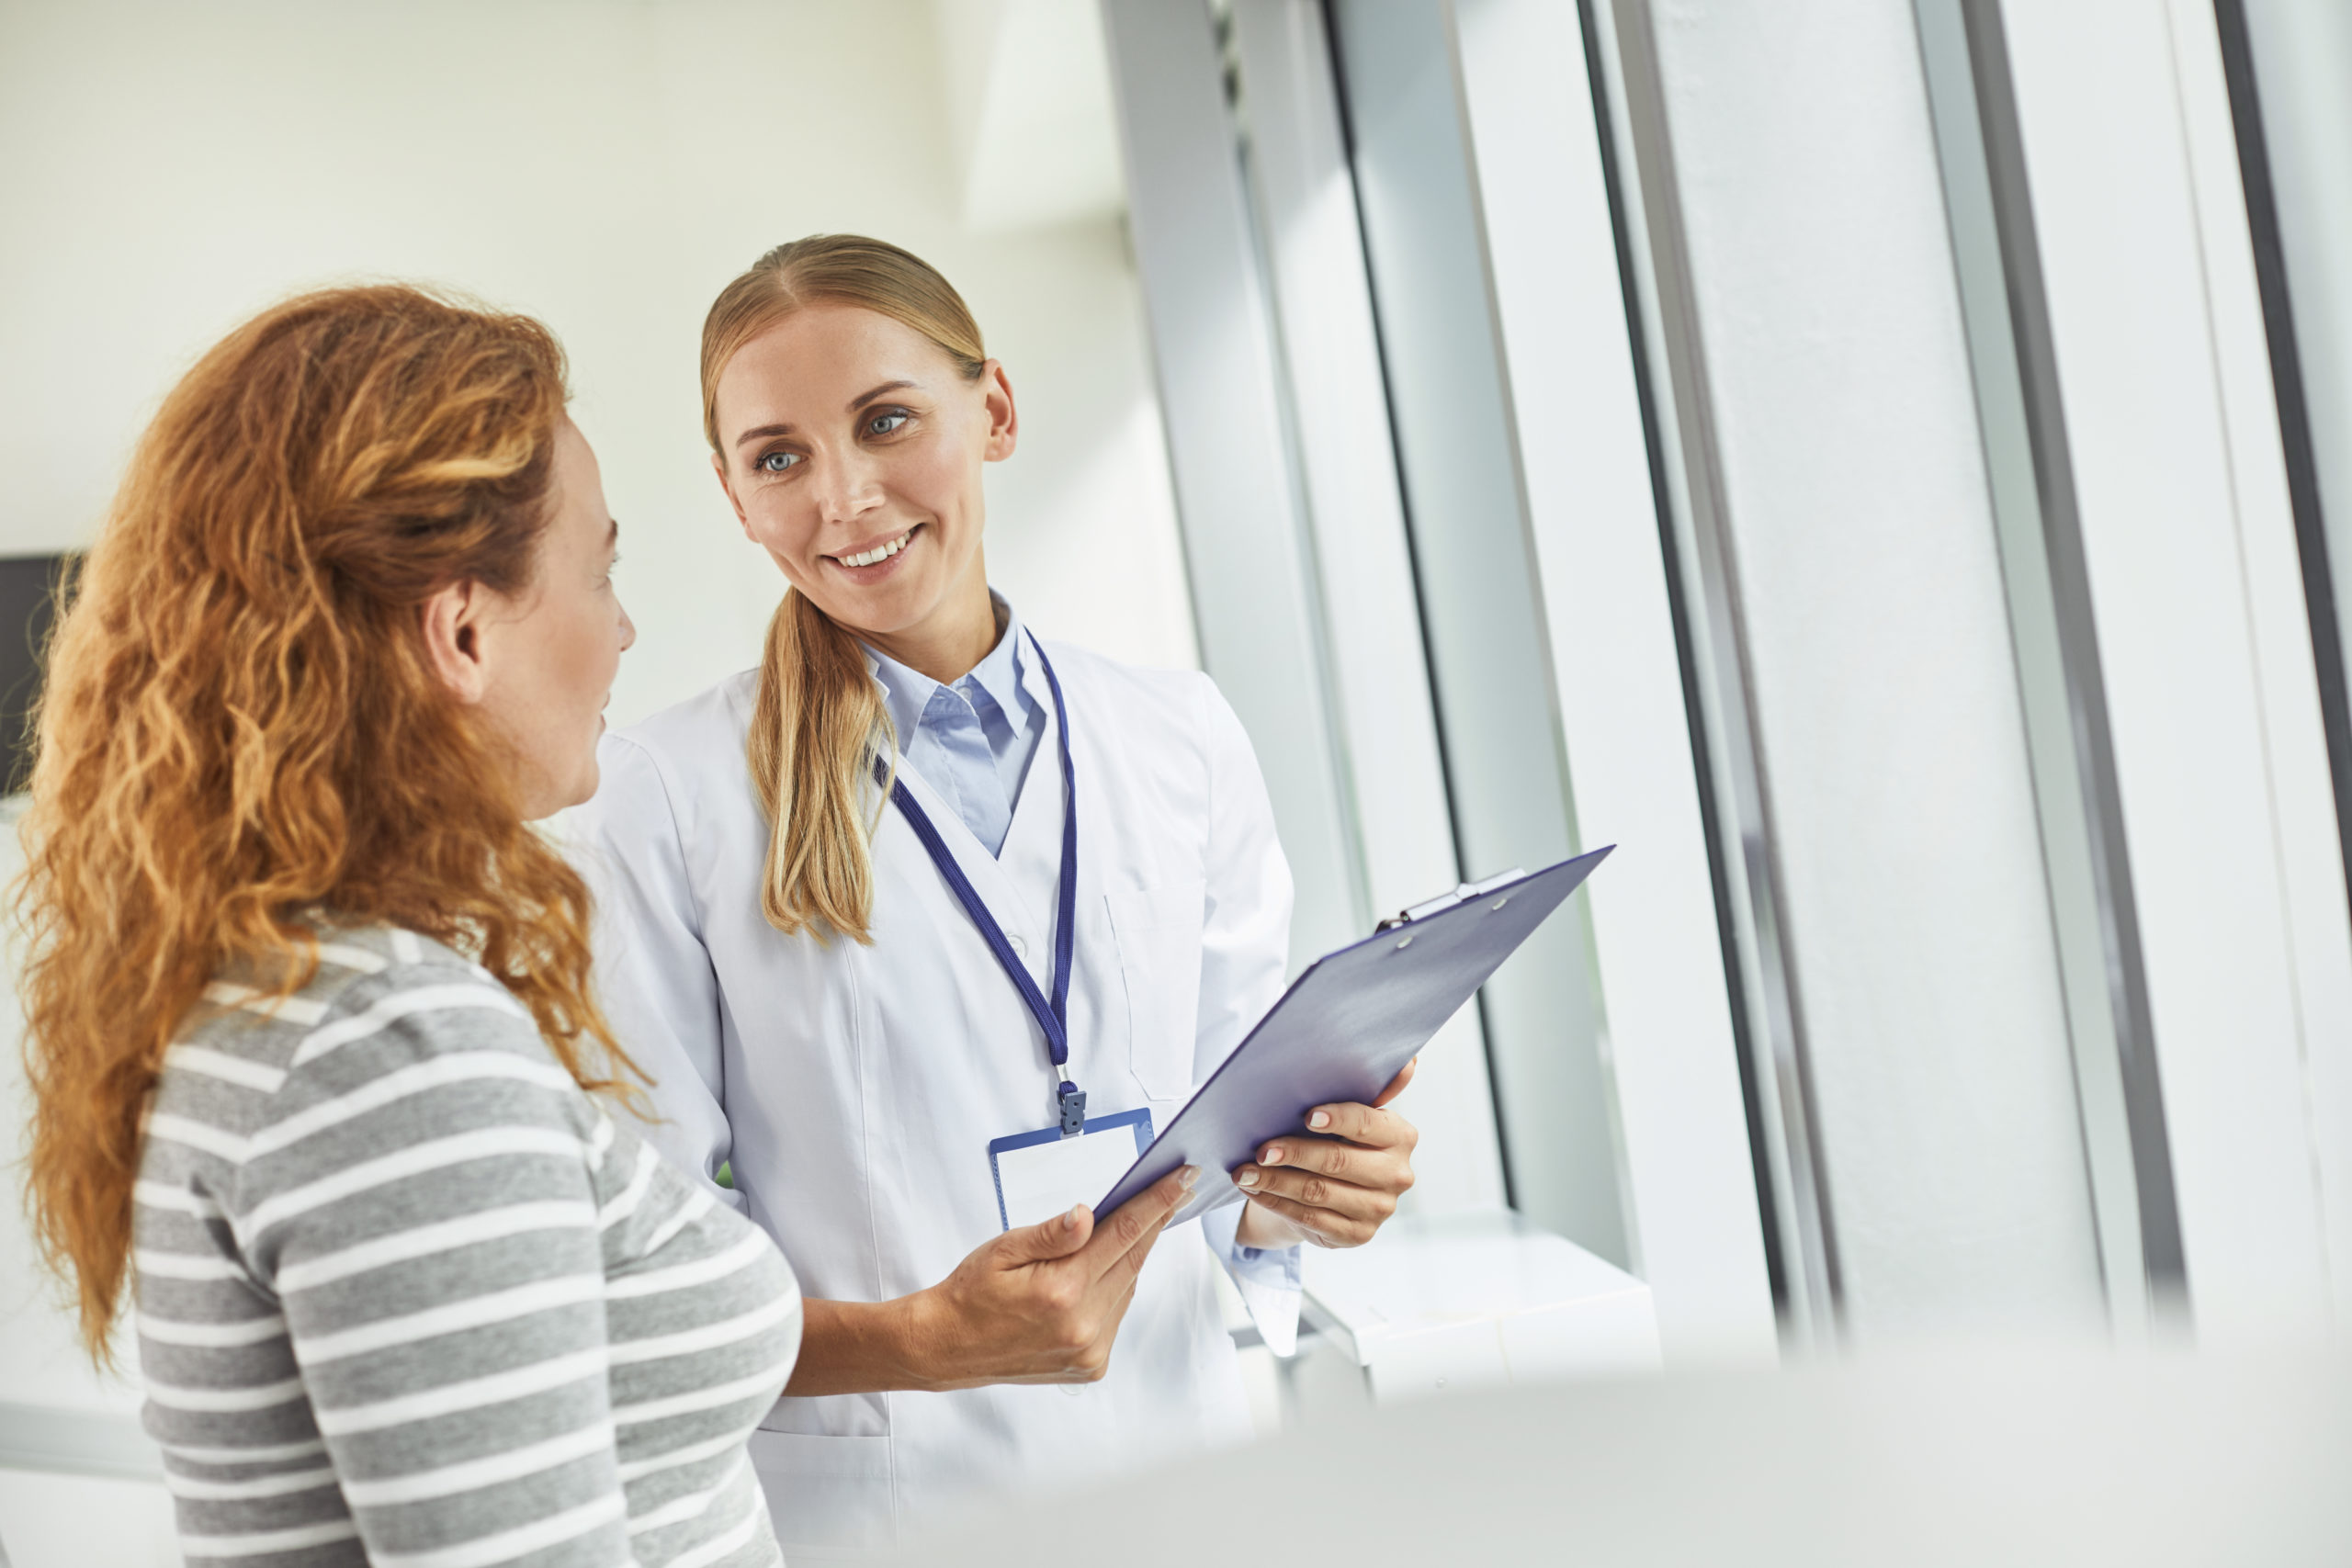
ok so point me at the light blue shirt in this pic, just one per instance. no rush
(971, 739)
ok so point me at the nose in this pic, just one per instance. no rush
(849, 486)
(629, 631)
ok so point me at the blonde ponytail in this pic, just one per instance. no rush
(816, 728)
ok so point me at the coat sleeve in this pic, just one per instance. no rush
(1245, 948)
(653, 972)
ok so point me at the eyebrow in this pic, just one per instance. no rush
(760, 432)
(866, 396)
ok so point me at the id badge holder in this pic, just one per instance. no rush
(1039, 1175)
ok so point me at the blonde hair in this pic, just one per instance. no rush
(241, 727)
(819, 723)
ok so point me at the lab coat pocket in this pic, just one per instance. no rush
(1160, 958)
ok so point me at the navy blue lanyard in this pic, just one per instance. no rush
(1053, 1016)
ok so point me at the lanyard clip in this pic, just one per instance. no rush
(1073, 1104)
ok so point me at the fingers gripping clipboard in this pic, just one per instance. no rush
(1347, 1026)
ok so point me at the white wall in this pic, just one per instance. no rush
(608, 165)
(1035, 137)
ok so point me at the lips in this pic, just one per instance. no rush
(875, 553)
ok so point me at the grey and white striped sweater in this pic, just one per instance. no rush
(406, 1296)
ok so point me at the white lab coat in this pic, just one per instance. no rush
(855, 1088)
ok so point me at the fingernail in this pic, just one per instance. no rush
(1189, 1176)
(1273, 1154)
(1076, 1213)
(1247, 1178)
(1319, 1121)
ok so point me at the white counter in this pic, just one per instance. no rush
(1461, 1302)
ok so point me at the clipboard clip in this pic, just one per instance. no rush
(1444, 901)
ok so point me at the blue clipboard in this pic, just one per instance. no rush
(1349, 1025)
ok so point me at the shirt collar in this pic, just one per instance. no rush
(1000, 674)
(906, 691)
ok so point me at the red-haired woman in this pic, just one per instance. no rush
(312, 1034)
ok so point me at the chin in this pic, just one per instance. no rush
(585, 790)
(561, 797)
(890, 607)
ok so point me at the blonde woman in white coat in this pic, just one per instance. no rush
(824, 1010)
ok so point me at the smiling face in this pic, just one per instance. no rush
(852, 448)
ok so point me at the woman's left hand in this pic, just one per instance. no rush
(1336, 1183)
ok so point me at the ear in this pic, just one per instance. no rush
(1004, 419)
(453, 640)
(718, 468)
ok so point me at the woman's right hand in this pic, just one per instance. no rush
(1037, 1304)
(1044, 1303)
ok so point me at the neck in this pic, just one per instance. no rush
(950, 642)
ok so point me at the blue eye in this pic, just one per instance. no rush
(777, 462)
(884, 424)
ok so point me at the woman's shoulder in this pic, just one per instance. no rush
(348, 954)
(661, 774)
(1164, 714)
(1183, 699)
(366, 975)
(251, 1052)
(710, 724)
(687, 745)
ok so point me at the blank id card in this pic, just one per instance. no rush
(1041, 1174)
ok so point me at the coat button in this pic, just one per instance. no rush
(1020, 948)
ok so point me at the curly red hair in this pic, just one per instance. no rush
(240, 730)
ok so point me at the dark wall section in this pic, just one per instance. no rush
(27, 608)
